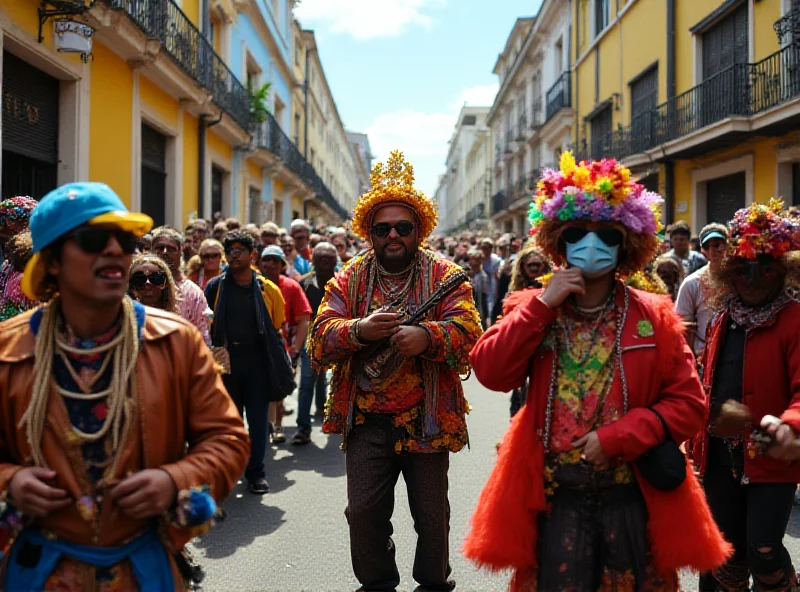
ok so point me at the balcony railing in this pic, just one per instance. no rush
(523, 125)
(192, 52)
(475, 213)
(509, 139)
(271, 137)
(788, 27)
(740, 90)
(559, 96)
(497, 202)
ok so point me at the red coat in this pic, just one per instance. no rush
(771, 386)
(660, 372)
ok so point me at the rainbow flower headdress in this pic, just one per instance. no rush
(394, 183)
(763, 230)
(594, 191)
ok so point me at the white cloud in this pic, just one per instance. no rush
(423, 137)
(478, 96)
(367, 19)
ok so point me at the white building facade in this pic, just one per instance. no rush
(531, 119)
(458, 209)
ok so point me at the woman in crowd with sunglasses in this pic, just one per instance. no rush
(151, 283)
(571, 504)
(212, 259)
(752, 358)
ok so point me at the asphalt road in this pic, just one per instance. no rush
(295, 538)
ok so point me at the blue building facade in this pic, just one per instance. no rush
(260, 60)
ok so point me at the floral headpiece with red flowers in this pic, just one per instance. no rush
(763, 229)
(594, 191)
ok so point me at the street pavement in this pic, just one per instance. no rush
(295, 538)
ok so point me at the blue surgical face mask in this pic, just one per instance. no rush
(592, 255)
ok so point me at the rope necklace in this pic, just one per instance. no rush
(122, 354)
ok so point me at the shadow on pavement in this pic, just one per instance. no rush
(328, 460)
(248, 517)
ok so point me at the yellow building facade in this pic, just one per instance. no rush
(159, 111)
(701, 98)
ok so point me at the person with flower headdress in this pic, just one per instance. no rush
(568, 505)
(15, 250)
(396, 394)
(752, 364)
(15, 212)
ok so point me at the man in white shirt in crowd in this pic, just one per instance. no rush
(691, 301)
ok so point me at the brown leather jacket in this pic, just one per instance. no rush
(180, 399)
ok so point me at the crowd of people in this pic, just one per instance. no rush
(655, 406)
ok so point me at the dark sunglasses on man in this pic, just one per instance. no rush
(93, 239)
(383, 229)
(610, 236)
(756, 270)
(140, 278)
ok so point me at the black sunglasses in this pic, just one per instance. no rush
(755, 271)
(210, 256)
(610, 236)
(140, 278)
(382, 229)
(93, 239)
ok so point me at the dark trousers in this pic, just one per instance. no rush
(372, 471)
(753, 518)
(248, 384)
(594, 537)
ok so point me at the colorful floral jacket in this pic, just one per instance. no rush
(438, 422)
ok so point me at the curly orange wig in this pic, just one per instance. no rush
(394, 183)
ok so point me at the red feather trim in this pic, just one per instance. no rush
(503, 533)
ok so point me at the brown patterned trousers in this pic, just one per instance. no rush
(373, 468)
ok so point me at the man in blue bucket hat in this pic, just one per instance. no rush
(99, 396)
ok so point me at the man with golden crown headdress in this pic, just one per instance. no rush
(396, 324)
(591, 490)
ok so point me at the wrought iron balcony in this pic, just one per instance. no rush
(192, 52)
(615, 144)
(559, 96)
(271, 137)
(475, 213)
(740, 90)
(787, 28)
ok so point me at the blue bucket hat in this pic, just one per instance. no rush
(275, 251)
(68, 207)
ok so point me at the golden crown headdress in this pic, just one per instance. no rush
(394, 183)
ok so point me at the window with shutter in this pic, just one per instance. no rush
(601, 130)
(726, 43)
(644, 99)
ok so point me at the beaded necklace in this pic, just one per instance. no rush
(622, 317)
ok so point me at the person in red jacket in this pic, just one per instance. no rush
(566, 507)
(752, 357)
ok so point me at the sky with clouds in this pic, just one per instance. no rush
(400, 70)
